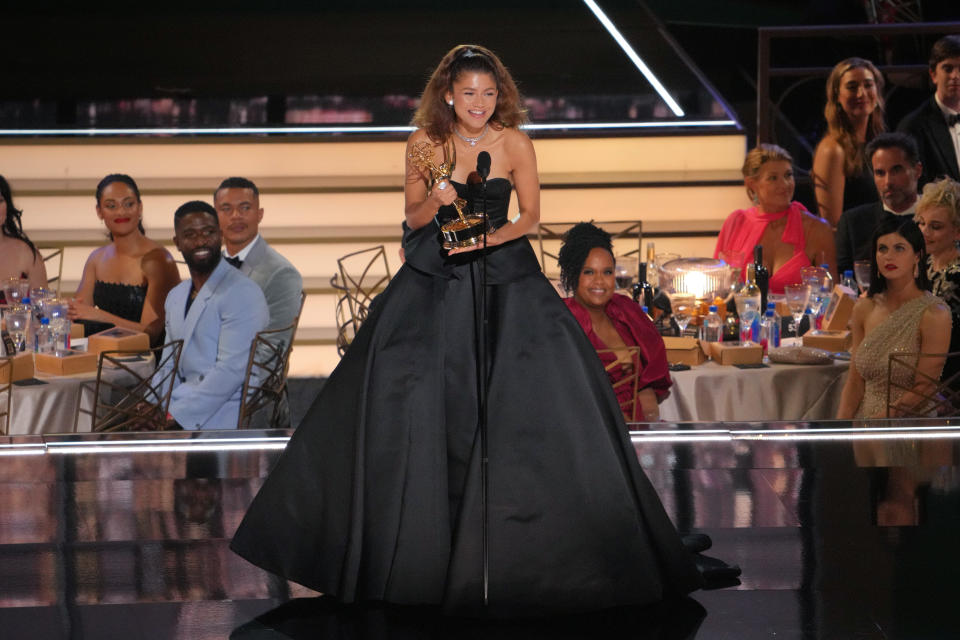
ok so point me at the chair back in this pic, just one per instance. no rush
(930, 396)
(6, 392)
(53, 262)
(265, 381)
(624, 372)
(362, 275)
(132, 389)
(627, 236)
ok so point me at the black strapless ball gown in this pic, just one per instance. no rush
(377, 495)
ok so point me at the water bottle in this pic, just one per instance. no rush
(770, 331)
(712, 328)
(827, 278)
(646, 312)
(849, 281)
(43, 338)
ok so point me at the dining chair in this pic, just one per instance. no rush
(362, 275)
(627, 360)
(265, 380)
(53, 262)
(132, 389)
(627, 236)
(937, 396)
(6, 391)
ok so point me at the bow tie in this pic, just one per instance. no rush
(235, 261)
(953, 119)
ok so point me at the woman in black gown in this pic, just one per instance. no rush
(378, 494)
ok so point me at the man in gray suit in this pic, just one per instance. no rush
(216, 312)
(237, 201)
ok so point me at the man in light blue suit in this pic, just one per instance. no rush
(216, 312)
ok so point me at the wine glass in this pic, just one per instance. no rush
(18, 319)
(797, 297)
(15, 289)
(683, 305)
(625, 272)
(861, 269)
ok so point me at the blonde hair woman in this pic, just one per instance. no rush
(791, 236)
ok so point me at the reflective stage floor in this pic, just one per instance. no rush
(840, 534)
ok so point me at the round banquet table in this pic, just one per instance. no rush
(716, 393)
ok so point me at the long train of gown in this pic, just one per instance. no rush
(377, 495)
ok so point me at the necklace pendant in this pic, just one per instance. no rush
(473, 143)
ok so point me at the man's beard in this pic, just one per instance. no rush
(205, 265)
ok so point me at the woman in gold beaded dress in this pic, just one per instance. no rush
(898, 314)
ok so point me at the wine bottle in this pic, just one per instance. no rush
(642, 291)
(762, 275)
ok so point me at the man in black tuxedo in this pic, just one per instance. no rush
(936, 124)
(896, 169)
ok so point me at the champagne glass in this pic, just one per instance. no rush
(861, 270)
(682, 305)
(797, 297)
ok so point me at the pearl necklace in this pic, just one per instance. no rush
(472, 141)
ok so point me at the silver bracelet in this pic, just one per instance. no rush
(514, 219)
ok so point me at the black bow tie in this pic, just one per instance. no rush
(953, 119)
(235, 261)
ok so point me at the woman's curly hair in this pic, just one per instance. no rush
(578, 242)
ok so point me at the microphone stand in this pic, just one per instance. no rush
(482, 383)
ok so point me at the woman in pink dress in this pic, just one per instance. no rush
(791, 236)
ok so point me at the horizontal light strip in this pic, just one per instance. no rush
(878, 433)
(237, 131)
(634, 58)
(206, 445)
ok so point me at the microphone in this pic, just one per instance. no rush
(483, 165)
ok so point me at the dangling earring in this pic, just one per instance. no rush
(916, 270)
(754, 198)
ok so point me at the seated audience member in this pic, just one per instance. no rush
(613, 321)
(897, 314)
(896, 169)
(854, 115)
(124, 283)
(217, 313)
(18, 256)
(938, 216)
(237, 201)
(792, 237)
(935, 125)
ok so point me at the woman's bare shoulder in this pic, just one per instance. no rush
(157, 257)
(829, 148)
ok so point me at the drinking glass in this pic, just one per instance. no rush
(683, 306)
(625, 271)
(798, 295)
(861, 269)
(18, 322)
(56, 310)
(15, 289)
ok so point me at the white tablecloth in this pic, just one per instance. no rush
(52, 407)
(713, 393)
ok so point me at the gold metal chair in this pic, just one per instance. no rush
(6, 390)
(627, 240)
(628, 360)
(53, 262)
(937, 396)
(265, 382)
(363, 274)
(123, 398)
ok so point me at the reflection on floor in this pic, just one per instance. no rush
(855, 536)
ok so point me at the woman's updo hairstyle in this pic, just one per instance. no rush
(127, 180)
(578, 242)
